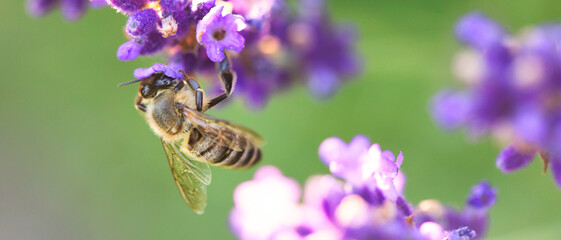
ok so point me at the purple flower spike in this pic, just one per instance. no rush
(512, 159)
(142, 22)
(482, 195)
(129, 51)
(463, 233)
(268, 207)
(217, 33)
(479, 31)
(127, 6)
(141, 73)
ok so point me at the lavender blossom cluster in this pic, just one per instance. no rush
(513, 91)
(363, 199)
(268, 45)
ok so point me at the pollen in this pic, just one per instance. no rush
(169, 27)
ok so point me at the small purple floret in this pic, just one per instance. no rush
(218, 33)
(142, 22)
(477, 30)
(128, 51)
(512, 159)
(141, 73)
(482, 195)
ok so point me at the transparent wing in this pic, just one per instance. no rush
(190, 176)
(216, 126)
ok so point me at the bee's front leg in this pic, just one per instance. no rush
(196, 87)
(227, 76)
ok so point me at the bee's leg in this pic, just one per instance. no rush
(179, 86)
(139, 105)
(227, 77)
(226, 74)
(196, 87)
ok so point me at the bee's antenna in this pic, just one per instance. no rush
(129, 82)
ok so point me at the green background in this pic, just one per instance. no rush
(79, 162)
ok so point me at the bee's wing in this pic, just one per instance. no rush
(190, 176)
(206, 123)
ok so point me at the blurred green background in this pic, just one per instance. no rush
(79, 162)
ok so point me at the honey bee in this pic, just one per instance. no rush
(192, 140)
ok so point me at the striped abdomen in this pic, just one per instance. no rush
(226, 149)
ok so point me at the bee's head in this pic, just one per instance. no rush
(150, 86)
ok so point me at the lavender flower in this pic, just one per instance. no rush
(217, 33)
(70, 9)
(366, 203)
(513, 91)
(268, 46)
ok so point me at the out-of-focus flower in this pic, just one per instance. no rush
(513, 91)
(70, 9)
(366, 203)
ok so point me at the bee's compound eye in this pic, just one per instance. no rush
(145, 90)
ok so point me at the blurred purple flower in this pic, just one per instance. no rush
(360, 207)
(70, 9)
(513, 91)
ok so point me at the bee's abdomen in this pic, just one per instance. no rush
(226, 149)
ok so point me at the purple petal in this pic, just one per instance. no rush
(233, 41)
(214, 52)
(141, 73)
(330, 149)
(512, 159)
(482, 195)
(142, 22)
(477, 30)
(399, 160)
(389, 155)
(128, 51)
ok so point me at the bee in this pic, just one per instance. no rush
(174, 108)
